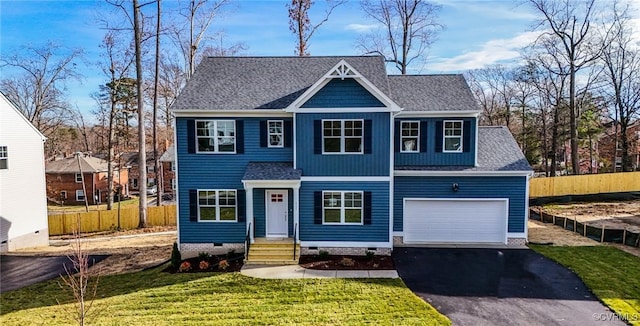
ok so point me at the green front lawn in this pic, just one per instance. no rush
(156, 298)
(611, 274)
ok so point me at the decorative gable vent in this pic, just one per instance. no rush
(343, 71)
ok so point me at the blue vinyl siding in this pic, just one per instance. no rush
(431, 156)
(259, 208)
(374, 164)
(377, 231)
(218, 171)
(347, 93)
(512, 187)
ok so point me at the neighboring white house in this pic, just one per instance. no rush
(23, 197)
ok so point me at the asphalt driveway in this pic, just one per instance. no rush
(499, 287)
(19, 271)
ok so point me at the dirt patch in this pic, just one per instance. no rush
(541, 233)
(129, 251)
(347, 262)
(611, 215)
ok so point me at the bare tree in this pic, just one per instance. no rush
(300, 23)
(142, 152)
(568, 34)
(156, 81)
(621, 59)
(38, 90)
(409, 29)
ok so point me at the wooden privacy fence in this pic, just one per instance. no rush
(586, 184)
(96, 221)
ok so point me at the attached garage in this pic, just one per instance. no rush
(455, 220)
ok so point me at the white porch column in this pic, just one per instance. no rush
(296, 209)
(249, 210)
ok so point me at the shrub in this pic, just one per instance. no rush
(231, 253)
(184, 267)
(223, 264)
(370, 254)
(204, 265)
(323, 254)
(203, 256)
(176, 258)
(347, 262)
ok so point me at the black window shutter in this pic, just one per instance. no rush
(397, 129)
(423, 136)
(439, 136)
(239, 136)
(193, 205)
(466, 136)
(368, 131)
(317, 207)
(263, 133)
(241, 204)
(288, 133)
(367, 207)
(191, 136)
(317, 136)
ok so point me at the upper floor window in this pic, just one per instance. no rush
(4, 158)
(342, 136)
(217, 205)
(78, 178)
(342, 207)
(409, 136)
(79, 195)
(172, 166)
(275, 133)
(216, 136)
(452, 135)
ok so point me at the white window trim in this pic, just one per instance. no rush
(215, 138)
(444, 136)
(417, 149)
(342, 208)
(281, 134)
(4, 156)
(343, 137)
(77, 195)
(76, 177)
(173, 184)
(217, 206)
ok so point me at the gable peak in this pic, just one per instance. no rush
(343, 70)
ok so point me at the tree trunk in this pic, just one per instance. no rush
(142, 154)
(573, 127)
(155, 111)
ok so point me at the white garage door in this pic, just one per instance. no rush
(455, 220)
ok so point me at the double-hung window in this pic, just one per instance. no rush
(78, 178)
(342, 207)
(217, 205)
(452, 136)
(216, 136)
(4, 158)
(410, 136)
(79, 195)
(275, 133)
(342, 136)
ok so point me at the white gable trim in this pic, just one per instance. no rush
(439, 114)
(232, 113)
(342, 70)
(15, 108)
(431, 173)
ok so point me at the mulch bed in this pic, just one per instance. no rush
(213, 264)
(347, 262)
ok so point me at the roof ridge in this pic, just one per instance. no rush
(425, 75)
(296, 57)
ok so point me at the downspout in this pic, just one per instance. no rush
(392, 160)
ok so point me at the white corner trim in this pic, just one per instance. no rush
(259, 113)
(526, 209)
(176, 177)
(438, 114)
(345, 244)
(476, 144)
(425, 173)
(346, 178)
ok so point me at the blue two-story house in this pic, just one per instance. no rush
(340, 156)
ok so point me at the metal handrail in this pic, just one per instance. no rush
(295, 241)
(247, 243)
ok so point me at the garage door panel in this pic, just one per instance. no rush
(455, 221)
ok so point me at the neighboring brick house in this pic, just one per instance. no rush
(130, 159)
(607, 144)
(64, 180)
(168, 168)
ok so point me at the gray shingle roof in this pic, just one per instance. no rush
(432, 93)
(70, 165)
(497, 151)
(169, 155)
(245, 83)
(271, 171)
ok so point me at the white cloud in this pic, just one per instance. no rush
(491, 52)
(361, 28)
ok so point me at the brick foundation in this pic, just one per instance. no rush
(345, 251)
(189, 250)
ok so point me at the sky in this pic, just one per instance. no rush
(477, 33)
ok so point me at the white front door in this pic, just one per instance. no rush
(277, 213)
